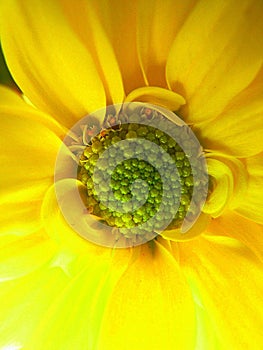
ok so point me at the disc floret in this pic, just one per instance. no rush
(136, 181)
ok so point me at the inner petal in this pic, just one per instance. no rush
(229, 180)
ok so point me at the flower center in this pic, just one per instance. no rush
(143, 173)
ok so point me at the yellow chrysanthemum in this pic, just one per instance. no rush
(70, 58)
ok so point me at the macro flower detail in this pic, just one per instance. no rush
(134, 169)
(142, 176)
(199, 60)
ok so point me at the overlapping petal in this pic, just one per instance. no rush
(228, 177)
(117, 21)
(22, 311)
(17, 255)
(151, 307)
(62, 265)
(87, 291)
(28, 153)
(233, 225)
(251, 205)
(86, 20)
(48, 61)
(60, 231)
(158, 24)
(237, 132)
(228, 277)
(9, 97)
(217, 54)
(136, 290)
(156, 95)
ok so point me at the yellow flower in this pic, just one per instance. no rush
(70, 58)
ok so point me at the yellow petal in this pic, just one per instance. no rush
(156, 95)
(243, 112)
(225, 171)
(150, 307)
(120, 22)
(47, 60)
(65, 233)
(88, 25)
(229, 279)
(158, 24)
(251, 206)
(26, 301)
(25, 255)
(199, 226)
(246, 231)
(237, 132)
(20, 218)
(207, 337)
(90, 271)
(28, 153)
(10, 97)
(222, 187)
(217, 53)
(11, 102)
(229, 180)
(111, 28)
(240, 179)
(59, 230)
(88, 292)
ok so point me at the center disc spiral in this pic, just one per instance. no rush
(142, 173)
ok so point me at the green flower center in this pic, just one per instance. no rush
(134, 166)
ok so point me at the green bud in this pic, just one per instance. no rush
(131, 135)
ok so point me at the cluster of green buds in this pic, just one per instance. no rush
(128, 172)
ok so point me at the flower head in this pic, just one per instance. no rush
(202, 60)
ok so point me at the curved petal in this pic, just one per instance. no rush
(10, 97)
(222, 187)
(245, 110)
(206, 337)
(28, 153)
(19, 218)
(240, 177)
(64, 233)
(158, 24)
(199, 226)
(156, 95)
(217, 53)
(75, 317)
(47, 60)
(66, 298)
(246, 231)
(86, 21)
(11, 102)
(26, 300)
(230, 181)
(251, 206)
(237, 132)
(150, 307)
(117, 21)
(25, 255)
(229, 279)
(59, 230)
